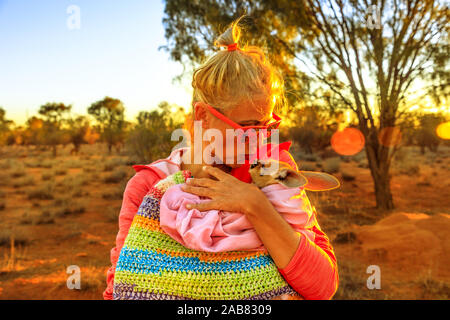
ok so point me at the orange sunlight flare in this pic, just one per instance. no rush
(390, 136)
(348, 142)
(443, 130)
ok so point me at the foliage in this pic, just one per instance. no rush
(52, 132)
(5, 127)
(425, 136)
(150, 139)
(312, 129)
(109, 114)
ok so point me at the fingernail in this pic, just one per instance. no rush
(189, 206)
(204, 167)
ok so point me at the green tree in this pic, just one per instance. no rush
(425, 135)
(5, 127)
(54, 114)
(79, 130)
(109, 114)
(151, 137)
(366, 56)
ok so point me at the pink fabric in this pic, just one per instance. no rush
(217, 231)
(312, 271)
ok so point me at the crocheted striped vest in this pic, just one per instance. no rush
(153, 266)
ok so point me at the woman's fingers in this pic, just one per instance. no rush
(202, 182)
(216, 172)
(200, 191)
(206, 205)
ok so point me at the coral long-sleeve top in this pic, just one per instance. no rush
(312, 271)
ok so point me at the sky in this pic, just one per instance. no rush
(47, 54)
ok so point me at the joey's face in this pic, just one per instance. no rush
(269, 172)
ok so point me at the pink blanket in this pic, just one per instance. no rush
(217, 231)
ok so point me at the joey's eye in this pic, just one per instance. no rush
(253, 165)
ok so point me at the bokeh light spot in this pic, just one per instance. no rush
(390, 136)
(348, 142)
(443, 130)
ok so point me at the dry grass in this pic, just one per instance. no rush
(11, 237)
(112, 213)
(23, 182)
(44, 191)
(116, 176)
(433, 289)
(65, 205)
(12, 259)
(37, 218)
(353, 283)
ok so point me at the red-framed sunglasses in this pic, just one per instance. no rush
(245, 129)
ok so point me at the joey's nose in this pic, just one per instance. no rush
(254, 164)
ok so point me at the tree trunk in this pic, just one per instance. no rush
(54, 150)
(383, 193)
(109, 148)
(381, 179)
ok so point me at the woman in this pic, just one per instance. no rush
(237, 88)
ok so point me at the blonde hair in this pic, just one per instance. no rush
(228, 78)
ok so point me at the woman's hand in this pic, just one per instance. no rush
(227, 193)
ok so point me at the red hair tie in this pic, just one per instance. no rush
(232, 47)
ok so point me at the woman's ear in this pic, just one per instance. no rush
(290, 178)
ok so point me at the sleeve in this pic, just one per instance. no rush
(312, 271)
(137, 187)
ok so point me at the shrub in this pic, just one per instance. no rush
(112, 164)
(363, 164)
(46, 164)
(65, 205)
(72, 182)
(116, 176)
(331, 165)
(112, 213)
(19, 237)
(73, 164)
(44, 217)
(4, 179)
(22, 182)
(18, 172)
(42, 192)
(307, 166)
(47, 176)
(112, 195)
(408, 167)
(60, 171)
(348, 176)
(6, 164)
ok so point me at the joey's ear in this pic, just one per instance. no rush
(201, 113)
(320, 181)
(290, 178)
